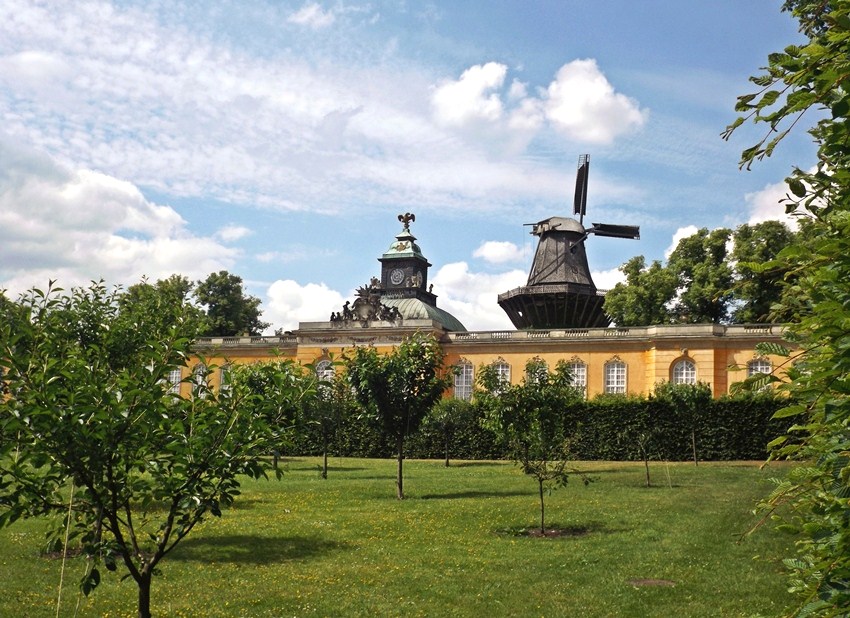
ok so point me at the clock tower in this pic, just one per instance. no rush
(404, 270)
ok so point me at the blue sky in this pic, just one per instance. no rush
(280, 140)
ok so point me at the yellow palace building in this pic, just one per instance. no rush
(558, 316)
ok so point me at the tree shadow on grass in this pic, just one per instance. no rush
(475, 494)
(558, 531)
(254, 550)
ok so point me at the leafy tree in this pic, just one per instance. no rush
(803, 78)
(704, 277)
(645, 297)
(399, 387)
(446, 416)
(279, 389)
(688, 401)
(759, 280)
(230, 311)
(98, 432)
(328, 410)
(535, 420)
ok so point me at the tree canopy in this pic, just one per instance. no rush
(399, 387)
(92, 425)
(229, 310)
(704, 282)
(812, 80)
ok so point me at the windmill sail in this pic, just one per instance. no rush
(580, 201)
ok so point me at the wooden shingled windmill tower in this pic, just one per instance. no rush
(560, 292)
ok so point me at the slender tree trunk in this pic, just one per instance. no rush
(542, 509)
(646, 464)
(145, 595)
(399, 482)
(324, 455)
(694, 445)
(447, 450)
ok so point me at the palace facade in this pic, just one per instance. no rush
(603, 359)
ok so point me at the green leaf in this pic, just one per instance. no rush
(789, 411)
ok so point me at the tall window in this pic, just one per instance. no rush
(200, 375)
(536, 368)
(578, 375)
(464, 381)
(684, 372)
(174, 377)
(758, 365)
(615, 377)
(224, 379)
(503, 371)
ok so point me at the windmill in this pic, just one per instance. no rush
(560, 292)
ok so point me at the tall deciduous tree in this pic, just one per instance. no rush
(399, 387)
(230, 311)
(759, 279)
(704, 277)
(804, 78)
(535, 421)
(646, 296)
(95, 427)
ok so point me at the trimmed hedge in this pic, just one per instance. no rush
(611, 427)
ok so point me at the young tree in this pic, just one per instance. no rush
(399, 387)
(328, 409)
(688, 400)
(98, 430)
(535, 421)
(230, 311)
(280, 389)
(802, 78)
(445, 417)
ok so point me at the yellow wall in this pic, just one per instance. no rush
(648, 352)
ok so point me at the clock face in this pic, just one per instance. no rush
(396, 276)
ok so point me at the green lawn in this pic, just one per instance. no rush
(346, 547)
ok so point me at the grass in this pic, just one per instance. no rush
(346, 547)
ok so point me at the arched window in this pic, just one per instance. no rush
(758, 365)
(615, 376)
(578, 374)
(325, 370)
(684, 372)
(464, 380)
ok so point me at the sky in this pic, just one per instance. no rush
(281, 140)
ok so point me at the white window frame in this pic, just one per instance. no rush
(464, 381)
(759, 365)
(616, 377)
(578, 375)
(503, 372)
(684, 371)
(175, 377)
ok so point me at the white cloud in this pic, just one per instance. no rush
(501, 252)
(75, 226)
(582, 103)
(765, 205)
(313, 16)
(607, 279)
(471, 97)
(682, 232)
(472, 297)
(230, 233)
(289, 302)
